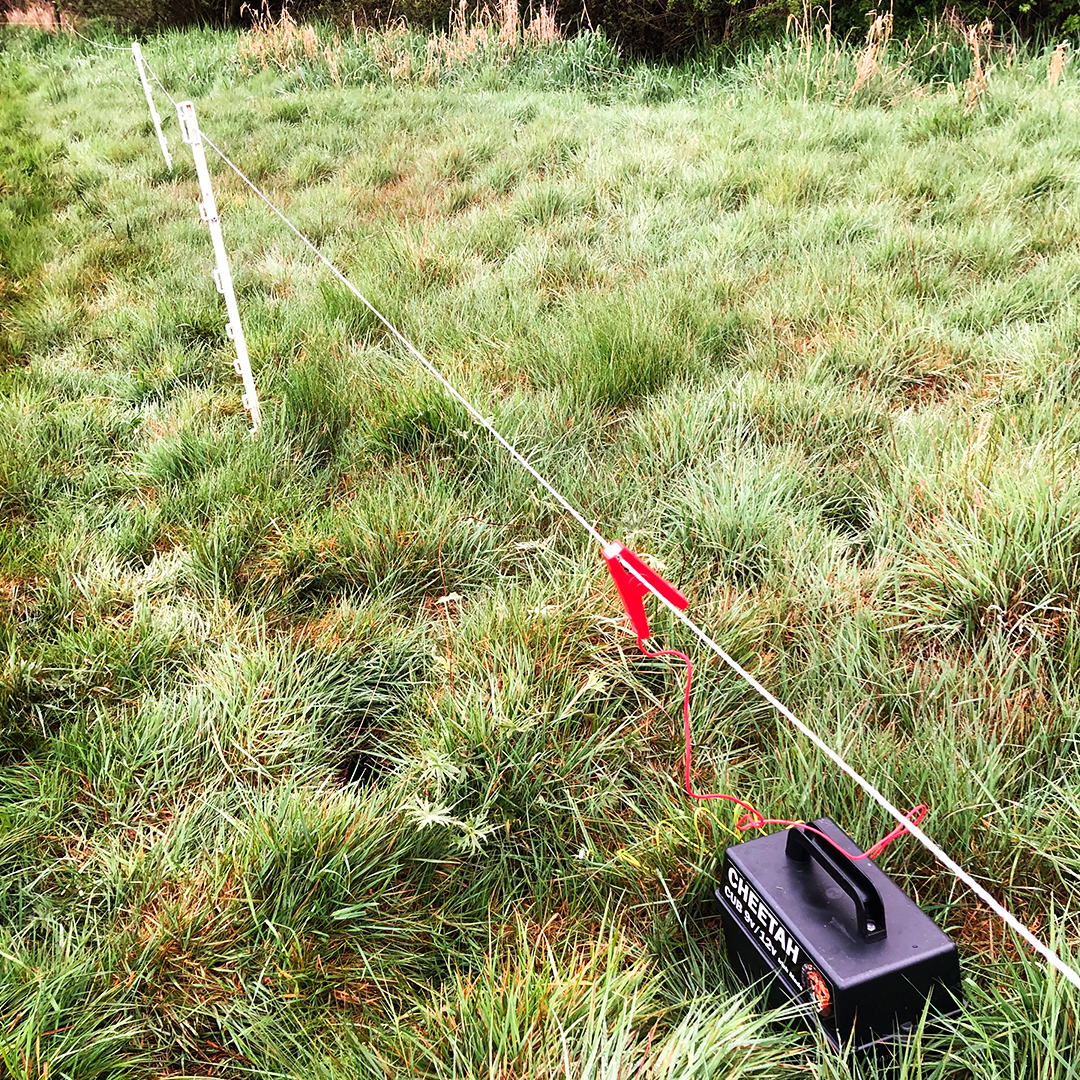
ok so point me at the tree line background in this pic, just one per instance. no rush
(641, 27)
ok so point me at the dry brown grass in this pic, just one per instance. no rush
(281, 42)
(466, 37)
(509, 21)
(497, 33)
(975, 87)
(980, 40)
(1058, 61)
(35, 16)
(18, 595)
(542, 27)
(808, 32)
(869, 61)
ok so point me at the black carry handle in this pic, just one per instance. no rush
(869, 910)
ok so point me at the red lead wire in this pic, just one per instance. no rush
(633, 587)
(753, 818)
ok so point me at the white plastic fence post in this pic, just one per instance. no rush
(189, 128)
(137, 53)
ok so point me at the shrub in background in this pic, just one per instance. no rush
(657, 28)
(152, 14)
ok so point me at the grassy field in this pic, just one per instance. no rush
(328, 753)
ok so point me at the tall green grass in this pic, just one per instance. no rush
(329, 753)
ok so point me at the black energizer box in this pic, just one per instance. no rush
(835, 936)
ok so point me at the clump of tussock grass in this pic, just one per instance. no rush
(375, 549)
(40, 986)
(610, 361)
(1010, 565)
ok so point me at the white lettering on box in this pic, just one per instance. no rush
(761, 921)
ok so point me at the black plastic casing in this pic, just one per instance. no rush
(790, 924)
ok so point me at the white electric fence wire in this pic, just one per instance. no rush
(942, 857)
(409, 347)
(96, 44)
(136, 52)
(189, 128)
(432, 370)
(1007, 917)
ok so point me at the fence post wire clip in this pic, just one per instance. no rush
(633, 588)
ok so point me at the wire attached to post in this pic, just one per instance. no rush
(136, 53)
(189, 129)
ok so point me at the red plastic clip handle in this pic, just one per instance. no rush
(633, 591)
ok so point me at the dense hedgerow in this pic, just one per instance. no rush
(650, 27)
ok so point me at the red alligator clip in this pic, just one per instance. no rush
(633, 591)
